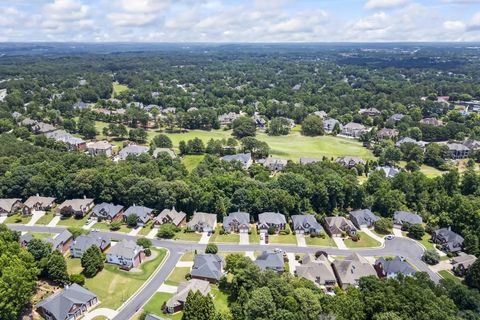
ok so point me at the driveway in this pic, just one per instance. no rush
(90, 224)
(54, 221)
(244, 238)
(369, 233)
(3, 218)
(205, 238)
(105, 312)
(262, 239)
(35, 217)
(168, 289)
(152, 234)
(250, 254)
(339, 242)
(442, 265)
(397, 232)
(184, 264)
(301, 240)
(135, 231)
(292, 263)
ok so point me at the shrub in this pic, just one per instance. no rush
(297, 257)
(416, 231)
(188, 276)
(144, 242)
(431, 257)
(211, 248)
(166, 231)
(115, 225)
(132, 220)
(78, 279)
(383, 226)
(148, 252)
(271, 230)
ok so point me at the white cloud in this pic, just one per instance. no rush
(65, 10)
(454, 25)
(384, 4)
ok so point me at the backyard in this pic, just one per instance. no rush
(155, 304)
(118, 88)
(448, 275)
(364, 242)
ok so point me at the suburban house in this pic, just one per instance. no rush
(318, 270)
(273, 164)
(127, 254)
(107, 211)
(168, 151)
(462, 262)
(350, 162)
(85, 241)
(353, 129)
(178, 219)
(245, 159)
(386, 133)
(363, 218)
(338, 226)
(228, 118)
(77, 207)
(472, 144)
(38, 203)
(25, 239)
(458, 151)
(100, 148)
(403, 217)
(351, 269)
(8, 206)
(176, 303)
(259, 121)
(421, 144)
(131, 150)
(305, 161)
(72, 142)
(42, 128)
(396, 117)
(322, 114)
(432, 122)
(273, 220)
(370, 112)
(306, 224)
(208, 267)
(236, 222)
(69, 304)
(449, 240)
(61, 242)
(389, 172)
(202, 222)
(143, 214)
(329, 125)
(390, 268)
(271, 260)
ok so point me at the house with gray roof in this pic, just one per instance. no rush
(458, 151)
(322, 114)
(208, 267)
(349, 271)
(61, 242)
(11, 205)
(177, 218)
(338, 226)
(273, 164)
(318, 270)
(273, 220)
(107, 211)
(363, 218)
(77, 207)
(236, 222)
(131, 150)
(390, 268)
(228, 118)
(127, 254)
(448, 239)
(350, 162)
(329, 125)
(306, 224)
(85, 241)
(38, 203)
(72, 142)
(168, 151)
(389, 172)
(403, 217)
(462, 262)
(144, 214)
(245, 159)
(304, 160)
(202, 222)
(271, 260)
(353, 129)
(421, 144)
(100, 148)
(25, 239)
(396, 117)
(471, 144)
(387, 133)
(370, 112)
(69, 304)
(27, 122)
(42, 127)
(177, 301)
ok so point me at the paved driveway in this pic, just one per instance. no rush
(301, 240)
(152, 234)
(205, 238)
(35, 216)
(397, 233)
(54, 221)
(292, 263)
(106, 312)
(244, 238)
(369, 233)
(339, 242)
(3, 218)
(90, 224)
(135, 231)
(168, 289)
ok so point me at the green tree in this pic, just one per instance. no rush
(92, 261)
(279, 127)
(383, 226)
(431, 257)
(144, 242)
(39, 249)
(312, 125)
(244, 127)
(198, 307)
(5, 125)
(211, 248)
(78, 279)
(57, 268)
(260, 305)
(416, 231)
(132, 220)
(162, 141)
(166, 231)
(472, 276)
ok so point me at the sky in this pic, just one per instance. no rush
(239, 20)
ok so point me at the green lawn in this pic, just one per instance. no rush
(430, 172)
(106, 226)
(448, 275)
(253, 237)
(192, 161)
(45, 219)
(73, 222)
(220, 299)
(155, 304)
(364, 242)
(321, 242)
(118, 88)
(283, 239)
(426, 242)
(228, 237)
(18, 218)
(112, 285)
(177, 276)
(42, 235)
(145, 230)
(187, 256)
(187, 236)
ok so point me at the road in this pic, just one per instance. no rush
(405, 247)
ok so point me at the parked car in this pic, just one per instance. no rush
(389, 237)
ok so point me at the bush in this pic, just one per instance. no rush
(166, 231)
(148, 252)
(271, 231)
(78, 279)
(132, 220)
(297, 257)
(211, 248)
(144, 242)
(188, 276)
(416, 231)
(431, 257)
(383, 226)
(115, 225)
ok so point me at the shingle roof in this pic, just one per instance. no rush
(352, 268)
(316, 270)
(105, 210)
(207, 220)
(7, 204)
(206, 265)
(395, 266)
(338, 224)
(76, 204)
(244, 158)
(305, 222)
(132, 150)
(184, 288)
(271, 218)
(83, 242)
(60, 239)
(364, 216)
(450, 236)
(143, 213)
(42, 201)
(270, 260)
(242, 218)
(408, 217)
(126, 248)
(172, 214)
(390, 172)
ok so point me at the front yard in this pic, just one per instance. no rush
(155, 304)
(18, 218)
(227, 237)
(364, 242)
(283, 239)
(321, 242)
(46, 218)
(73, 221)
(177, 276)
(426, 242)
(446, 274)
(146, 229)
(187, 236)
(106, 226)
(253, 237)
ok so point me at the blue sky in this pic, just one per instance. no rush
(239, 20)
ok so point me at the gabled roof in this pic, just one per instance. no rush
(132, 150)
(206, 265)
(184, 288)
(271, 218)
(76, 204)
(60, 239)
(126, 249)
(349, 161)
(305, 222)
(100, 145)
(143, 213)
(457, 147)
(408, 217)
(337, 223)
(202, 218)
(168, 151)
(363, 216)
(395, 266)
(244, 158)
(352, 268)
(390, 172)
(7, 204)
(270, 260)
(42, 201)
(316, 270)
(242, 218)
(83, 242)
(105, 209)
(173, 214)
(449, 235)
(354, 126)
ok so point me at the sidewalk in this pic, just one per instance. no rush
(88, 226)
(2, 219)
(35, 217)
(397, 233)
(167, 288)
(105, 312)
(250, 254)
(339, 242)
(135, 231)
(54, 221)
(301, 240)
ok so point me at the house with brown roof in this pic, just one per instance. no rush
(318, 270)
(38, 203)
(432, 122)
(77, 207)
(100, 148)
(370, 112)
(386, 133)
(338, 226)
(11, 205)
(349, 271)
(177, 301)
(353, 129)
(177, 218)
(462, 262)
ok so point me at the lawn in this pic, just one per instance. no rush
(227, 237)
(18, 218)
(192, 161)
(187, 236)
(448, 275)
(220, 299)
(114, 286)
(364, 242)
(430, 172)
(155, 304)
(118, 88)
(45, 219)
(321, 242)
(187, 256)
(177, 276)
(283, 239)
(106, 226)
(426, 242)
(254, 237)
(146, 229)
(42, 235)
(73, 222)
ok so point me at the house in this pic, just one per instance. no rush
(11, 205)
(107, 211)
(322, 114)
(27, 122)
(318, 270)
(245, 159)
(389, 172)
(127, 254)
(350, 162)
(271, 260)
(462, 262)
(370, 112)
(459, 151)
(390, 268)
(25, 239)
(208, 267)
(273, 164)
(202, 222)
(236, 222)
(176, 303)
(42, 128)
(80, 105)
(386, 133)
(131, 150)
(38, 203)
(259, 121)
(397, 117)
(338, 226)
(178, 219)
(69, 304)
(329, 125)
(363, 218)
(168, 151)
(143, 214)
(306, 224)
(403, 217)
(269, 220)
(77, 207)
(421, 144)
(353, 129)
(351, 269)
(228, 118)
(471, 144)
(84, 241)
(100, 148)
(432, 122)
(73, 143)
(448, 239)
(305, 161)
(61, 242)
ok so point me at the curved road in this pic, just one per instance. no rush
(405, 247)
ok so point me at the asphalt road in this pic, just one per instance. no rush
(405, 247)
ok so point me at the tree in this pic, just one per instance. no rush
(472, 276)
(384, 225)
(57, 268)
(258, 149)
(260, 305)
(244, 127)
(92, 261)
(431, 257)
(132, 220)
(5, 125)
(144, 242)
(279, 127)
(416, 231)
(211, 248)
(167, 231)
(312, 125)
(115, 225)
(195, 146)
(39, 249)
(182, 146)
(78, 279)
(198, 307)
(162, 141)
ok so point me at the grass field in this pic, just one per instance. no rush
(177, 276)
(106, 226)
(42, 235)
(448, 275)
(321, 242)
(118, 88)
(112, 285)
(155, 304)
(44, 220)
(220, 299)
(146, 229)
(18, 218)
(426, 242)
(364, 242)
(73, 222)
(187, 256)
(192, 161)
(283, 239)
(253, 237)
(227, 238)
(187, 236)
